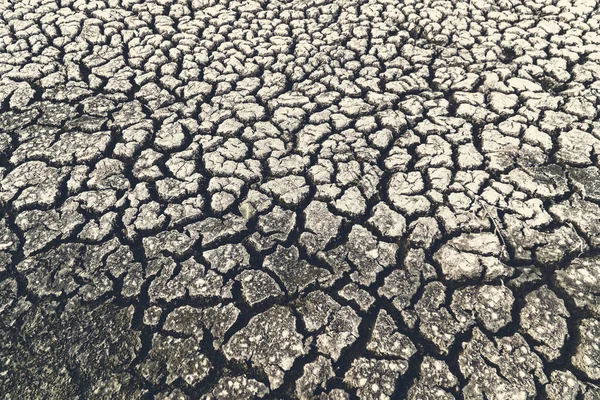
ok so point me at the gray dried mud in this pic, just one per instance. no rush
(325, 199)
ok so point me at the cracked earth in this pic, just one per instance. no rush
(320, 199)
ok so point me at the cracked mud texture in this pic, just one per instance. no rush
(329, 199)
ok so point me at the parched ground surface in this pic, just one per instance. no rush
(326, 199)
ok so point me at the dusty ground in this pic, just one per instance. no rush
(326, 199)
